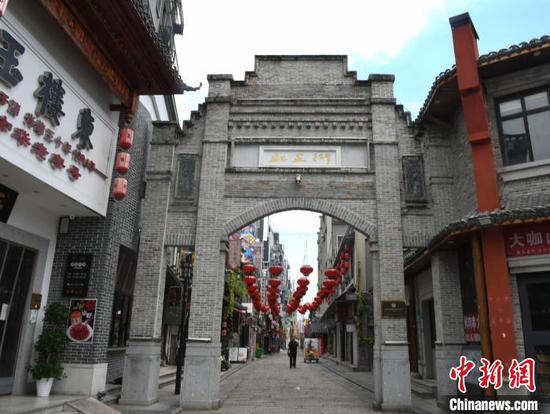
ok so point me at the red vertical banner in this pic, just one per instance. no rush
(234, 252)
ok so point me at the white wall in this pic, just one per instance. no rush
(35, 228)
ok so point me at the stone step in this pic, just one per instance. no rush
(424, 388)
(89, 406)
(113, 393)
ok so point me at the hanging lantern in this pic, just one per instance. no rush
(346, 247)
(120, 188)
(331, 273)
(122, 162)
(265, 308)
(301, 290)
(303, 282)
(249, 280)
(275, 270)
(306, 270)
(273, 291)
(125, 137)
(249, 268)
(329, 283)
(274, 282)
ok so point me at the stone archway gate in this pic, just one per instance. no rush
(300, 132)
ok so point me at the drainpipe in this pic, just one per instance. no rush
(497, 281)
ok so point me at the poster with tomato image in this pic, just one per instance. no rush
(80, 326)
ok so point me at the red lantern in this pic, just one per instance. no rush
(273, 291)
(275, 270)
(274, 282)
(249, 280)
(125, 137)
(329, 283)
(122, 162)
(306, 270)
(249, 268)
(265, 308)
(346, 247)
(120, 188)
(303, 282)
(331, 273)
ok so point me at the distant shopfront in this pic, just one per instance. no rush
(528, 251)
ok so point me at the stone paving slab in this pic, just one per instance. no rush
(269, 386)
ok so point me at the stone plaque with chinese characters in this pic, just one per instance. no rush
(300, 157)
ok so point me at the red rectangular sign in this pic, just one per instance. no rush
(528, 240)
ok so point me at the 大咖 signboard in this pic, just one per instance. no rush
(528, 240)
(299, 157)
(50, 127)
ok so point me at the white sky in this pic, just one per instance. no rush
(222, 37)
(296, 228)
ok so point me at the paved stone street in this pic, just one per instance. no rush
(268, 386)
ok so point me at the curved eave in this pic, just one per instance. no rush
(120, 42)
(444, 98)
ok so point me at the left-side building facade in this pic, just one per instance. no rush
(73, 149)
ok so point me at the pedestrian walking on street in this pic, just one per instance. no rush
(292, 350)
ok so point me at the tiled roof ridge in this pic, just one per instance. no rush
(483, 60)
(480, 219)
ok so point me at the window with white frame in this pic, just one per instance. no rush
(524, 127)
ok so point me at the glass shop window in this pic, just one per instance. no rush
(124, 295)
(524, 127)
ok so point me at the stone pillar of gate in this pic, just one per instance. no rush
(142, 361)
(449, 321)
(392, 370)
(202, 366)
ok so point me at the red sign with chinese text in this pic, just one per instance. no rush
(528, 240)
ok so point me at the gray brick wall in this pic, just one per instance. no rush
(102, 237)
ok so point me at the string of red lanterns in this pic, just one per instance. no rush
(300, 291)
(333, 277)
(273, 289)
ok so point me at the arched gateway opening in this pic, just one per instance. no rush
(300, 132)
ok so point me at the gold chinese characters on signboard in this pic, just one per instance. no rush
(300, 158)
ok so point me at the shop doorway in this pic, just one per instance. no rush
(16, 267)
(534, 294)
(429, 337)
